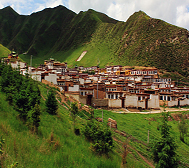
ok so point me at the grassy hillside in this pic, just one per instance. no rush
(134, 128)
(56, 145)
(4, 51)
(64, 35)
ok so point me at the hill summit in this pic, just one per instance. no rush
(60, 33)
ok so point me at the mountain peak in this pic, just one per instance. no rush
(9, 10)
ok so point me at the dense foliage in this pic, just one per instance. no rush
(34, 118)
(51, 103)
(22, 92)
(74, 111)
(100, 135)
(164, 150)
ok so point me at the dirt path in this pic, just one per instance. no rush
(126, 111)
(143, 158)
(82, 55)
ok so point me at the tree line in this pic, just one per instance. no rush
(21, 92)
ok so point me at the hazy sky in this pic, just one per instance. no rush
(172, 11)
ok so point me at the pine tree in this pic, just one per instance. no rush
(74, 111)
(164, 150)
(51, 103)
(35, 118)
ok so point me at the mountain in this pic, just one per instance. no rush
(64, 35)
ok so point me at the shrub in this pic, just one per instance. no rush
(100, 135)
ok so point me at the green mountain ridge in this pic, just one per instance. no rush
(60, 33)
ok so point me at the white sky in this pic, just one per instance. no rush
(175, 12)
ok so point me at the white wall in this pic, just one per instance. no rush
(131, 101)
(153, 102)
(114, 103)
(141, 104)
(51, 78)
(81, 81)
(184, 102)
(172, 103)
(75, 88)
(14, 65)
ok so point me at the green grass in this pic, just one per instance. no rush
(136, 127)
(31, 150)
(4, 51)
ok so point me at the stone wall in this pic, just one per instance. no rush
(114, 103)
(99, 102)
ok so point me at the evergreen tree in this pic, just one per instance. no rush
(22, 104)
(51, 103)
(164, 150)
(34, 118)
(74, 111)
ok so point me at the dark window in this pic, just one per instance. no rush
(112, 96)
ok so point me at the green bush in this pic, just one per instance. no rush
(100, 135)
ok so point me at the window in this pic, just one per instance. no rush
(82, 93)
(168, 98)
(108, 96)
(165, 97)
(139, 98)
(161, 97)
(112, 96)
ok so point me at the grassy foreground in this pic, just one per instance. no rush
(134, 128)
(56, 145)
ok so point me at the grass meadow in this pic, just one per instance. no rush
(56, 144)
(136, 126)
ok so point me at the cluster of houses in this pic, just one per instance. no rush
(110, 87)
